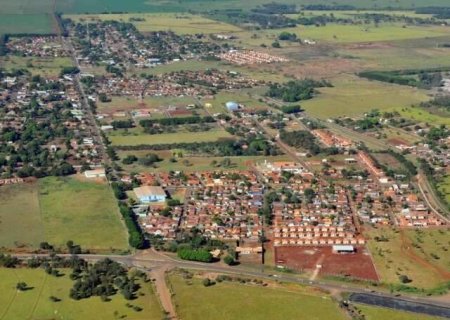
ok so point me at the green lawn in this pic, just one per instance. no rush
(352, 96)
(49, 67)
(25, 23)
(82, 211)
(134, 137)
(35, 303)
(377, 313)
(20, 220)
(238, 301)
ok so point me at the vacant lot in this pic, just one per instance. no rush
(48, 67)
(376, 313)
(134, 138)
(397, 256)
(352, 96)
(26, 23)
(20, 220)
(228, 300)
(444, 187)
(422, 115)
(159, 104)
(35, 303)
(84, 212)
(358, 265)
(182, 23)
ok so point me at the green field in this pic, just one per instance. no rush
(26, 23)
(48, 67)
(35, 303)
(130, 103)
(352, 96)
(422, 115)
(179, 23)
(398, 256)
(376, 313)
(134, 137)
(193, 163)
(20, 221)
(228, 300)
(84, 212)
(444, 187)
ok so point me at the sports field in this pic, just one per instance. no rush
(352, 96)
(134, 138)
(35, 303)
(81, 211)
(231, 300)
(181, 23)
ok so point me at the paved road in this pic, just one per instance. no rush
(152, 260)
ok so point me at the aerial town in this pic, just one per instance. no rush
(149, 156)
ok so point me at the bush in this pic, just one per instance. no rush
(201, 255)
(229, 260)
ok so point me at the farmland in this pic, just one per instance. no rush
(84, 212)
(26, 23)
(228, 300)
(35, 303)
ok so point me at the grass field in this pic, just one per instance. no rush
(48, 67)
(444, 187)
(35, 303)
(134, 137)
(26, 23)
(376, 313)
(237, 301)
(20, 221)
(181, 23)
(398, 257)
(84, 212)
(422, 115)
(352, 96)
(130, 103)
(194, 163)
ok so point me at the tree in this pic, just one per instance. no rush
(21, 286)
(229, 260)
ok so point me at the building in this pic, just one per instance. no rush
(343, 249)
(232, 106)
(97, 173)
(147, 194)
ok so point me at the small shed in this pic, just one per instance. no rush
(232, 106)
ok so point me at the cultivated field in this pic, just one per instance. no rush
(35, 303)
(134, 138)
(81, 211)
(26, 23)
(398, 256)
(376, 313)
(181, 23)
(352, 96)
(20, 220)
(228, 300)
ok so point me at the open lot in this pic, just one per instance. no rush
(160, 104)
(20, 220)
(134, 137)
(82, 211)
(444, 187)
(398, 256)
(378, 313)
(352, 96)
(181, 23)
(422, 115)
(47, 67)
(35, 303)
(230, 300)
(358, 265)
